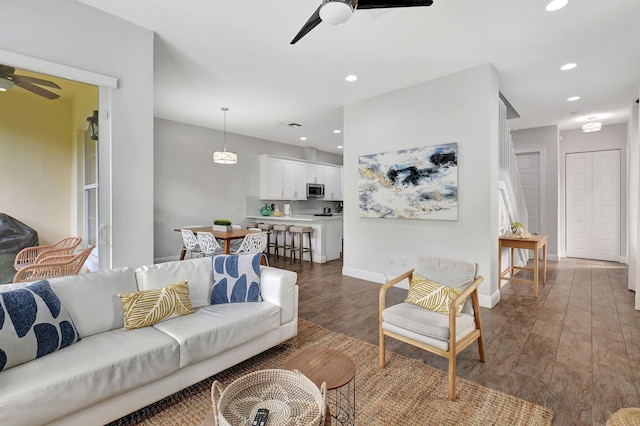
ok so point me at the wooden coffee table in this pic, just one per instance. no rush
(337, 370)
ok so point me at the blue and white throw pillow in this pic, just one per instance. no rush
(236, 278)
(33, 323)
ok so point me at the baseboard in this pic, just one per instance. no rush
(624, 259)
(364, 275)
(489, 301)
(562, 254)
(553, 257)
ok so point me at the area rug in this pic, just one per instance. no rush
(405, 392)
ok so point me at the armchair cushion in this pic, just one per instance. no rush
(33, 323)
(432, 296)
(450, 272)
(423, 325)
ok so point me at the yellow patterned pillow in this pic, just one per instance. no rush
(148, 307)
(431, 295)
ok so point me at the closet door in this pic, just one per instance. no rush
(593, 205)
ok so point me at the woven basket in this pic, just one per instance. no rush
(290, 397)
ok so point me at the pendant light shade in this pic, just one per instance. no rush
(224, 156)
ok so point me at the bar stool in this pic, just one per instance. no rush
(300, 231)
(251, 225)
(280, 232)
(268, 228)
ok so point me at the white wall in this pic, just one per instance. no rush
(190, 189)
(613, 136)
(69, 33)
(544, 140)
(461, 108)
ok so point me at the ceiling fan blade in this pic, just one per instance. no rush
(377, 4)
(35, 89)
(309, 25)
(35, 80)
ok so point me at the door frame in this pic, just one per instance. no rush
(106, 85)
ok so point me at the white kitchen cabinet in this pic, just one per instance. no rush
(282, 179)
(314, 173)
(293, 183)
(332, 189)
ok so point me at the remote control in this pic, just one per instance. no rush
(261, 417)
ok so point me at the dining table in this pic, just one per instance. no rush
(234, 234)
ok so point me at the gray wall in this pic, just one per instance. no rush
(462, 108)
(613, 136)
(544, 140)
(190, 189)
(69, 33)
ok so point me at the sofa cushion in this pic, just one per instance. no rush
(148, 307)
(217, 328)
(236, 278)
(33, 323)
(95, 369)
(431, 295)
(92, 299)
(196, 271)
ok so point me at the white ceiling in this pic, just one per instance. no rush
(214, 53)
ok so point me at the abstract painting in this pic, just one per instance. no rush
(416, 183)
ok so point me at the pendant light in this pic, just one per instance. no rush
(224, 156)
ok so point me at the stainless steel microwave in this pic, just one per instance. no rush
(315, 190)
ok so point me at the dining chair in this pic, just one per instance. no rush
(208, 244)
(254, 243)
(190, 242)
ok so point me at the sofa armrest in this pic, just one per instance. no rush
(278, 287)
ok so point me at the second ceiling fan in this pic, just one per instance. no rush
(338, 11)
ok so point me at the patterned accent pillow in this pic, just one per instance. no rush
(432, 295)
(33, 323)
(148, 307)
(236, 278)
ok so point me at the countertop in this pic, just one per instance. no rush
(298, 218)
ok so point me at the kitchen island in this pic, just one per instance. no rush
(327, 233)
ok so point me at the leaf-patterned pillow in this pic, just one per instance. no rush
(148, 307)
(432, 295)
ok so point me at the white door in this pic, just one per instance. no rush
(529, 168)
(593, 205)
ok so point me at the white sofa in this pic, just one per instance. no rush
(111, 372)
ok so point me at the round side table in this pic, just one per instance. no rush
(338, 370)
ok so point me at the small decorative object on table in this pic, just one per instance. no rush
(515, 226)
(265, 210)
(222, 225)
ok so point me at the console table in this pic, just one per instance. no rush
(535, 243)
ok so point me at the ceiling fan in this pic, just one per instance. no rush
(339, 11)
(8, 79)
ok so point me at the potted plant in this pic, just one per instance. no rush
(516, 226)
(222, 225)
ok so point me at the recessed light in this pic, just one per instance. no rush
(573, 98)
(340, 147)
(336, 131)
(351, 78)
(569, 66)
(555, 5)
(303, 138)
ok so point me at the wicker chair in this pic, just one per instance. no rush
(52, 266)
(33, 255)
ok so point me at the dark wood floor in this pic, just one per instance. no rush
(574, 349)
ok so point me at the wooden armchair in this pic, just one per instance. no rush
(52, 266)
(32, 255)
(442, 334)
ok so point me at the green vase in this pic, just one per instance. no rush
(265, 210)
